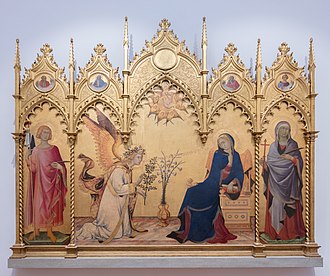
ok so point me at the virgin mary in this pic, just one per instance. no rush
(200, 213)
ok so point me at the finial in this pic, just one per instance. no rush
(99, 49)
(231, 49)
(258, 58)
(164, 24)
(204, 36)
(126, 31)
(17, 56)
(46, 49)
(71, 53)
(311, 62)
(284, 49)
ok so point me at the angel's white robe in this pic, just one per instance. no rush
(113, 208)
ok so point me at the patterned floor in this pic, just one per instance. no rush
(156, 234)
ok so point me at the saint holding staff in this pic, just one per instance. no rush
(47, 188)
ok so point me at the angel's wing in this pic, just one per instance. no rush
(106, 124)
(104, 142)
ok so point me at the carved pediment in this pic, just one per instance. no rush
(230, 62)
(285, 76)
(44, 63)
(98, 77)
(231, 77)
(164, 45)
(284, 62)
(98, 62)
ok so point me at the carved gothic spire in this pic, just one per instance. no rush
(17, 57)
(204, 46)
(71, 62)
(126, 31)
(17, 68)
(311, 68)
(71, 67)
(258, 58)
(126, 45)
(258, 68)
(311, 62)
(204, 34)
(17, 97)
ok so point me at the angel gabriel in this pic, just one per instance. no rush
(114, 194)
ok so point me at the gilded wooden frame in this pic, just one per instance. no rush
(166, 58)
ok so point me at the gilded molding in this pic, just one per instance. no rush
(200, 98)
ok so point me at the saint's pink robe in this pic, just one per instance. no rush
(45, 200)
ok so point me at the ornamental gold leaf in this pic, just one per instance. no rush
(46, 49)
(231, 49)
(284, 49)
(99, 49)
(164, 24)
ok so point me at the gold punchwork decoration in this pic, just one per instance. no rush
(163, 159)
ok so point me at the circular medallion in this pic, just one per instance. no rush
(231, 83)
(98, 82)
(285, 82)
(165, 59)
(44, 83)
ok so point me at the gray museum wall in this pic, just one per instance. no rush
(242, 22)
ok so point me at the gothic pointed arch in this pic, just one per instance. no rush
(232, 83)
(114, 111)
(44, 79)
(285, 83)
(291, 103)
(98, 79)
(285, 76)
(165, 54)
(33, 106)
(180, 98)
(238, 103)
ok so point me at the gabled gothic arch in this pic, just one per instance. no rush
(91, 104)
(291, 103)
(34, 105)
(239, 103)
(142, 95)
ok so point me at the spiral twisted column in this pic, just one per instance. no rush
(20, 141)
(311, 248)
(72, 142)
(19, 145)
(308, 188)
(257, 139)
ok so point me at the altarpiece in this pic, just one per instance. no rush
(165, 161)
